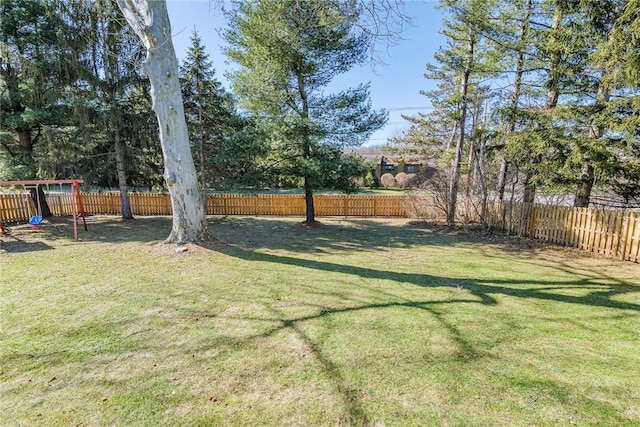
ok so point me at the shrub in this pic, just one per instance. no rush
(401, 179)
(428, 199)
(388, 181)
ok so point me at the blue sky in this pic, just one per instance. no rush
(395, 86)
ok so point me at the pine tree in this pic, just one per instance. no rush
(288, 52)
(618, 55)
(206, 108)
(112, 73)
(559, 140)
(38, 63)
(446, 130)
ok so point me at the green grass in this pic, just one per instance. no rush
(357, 322)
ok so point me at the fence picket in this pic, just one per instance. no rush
(596, 232)
(630, 235)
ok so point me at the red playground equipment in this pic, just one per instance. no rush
(36, 220)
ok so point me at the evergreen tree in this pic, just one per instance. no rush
(38, 64)
(228, 145)
(562, 120)
(288, 52)
(140, 130)
(112, 72)
(458, 67)
(206, 107)
(559, 138)
(618, 55)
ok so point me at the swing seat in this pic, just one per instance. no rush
(35, 220)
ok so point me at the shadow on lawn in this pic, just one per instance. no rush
(478, 291)
(13, 245)
(274, 233)
(241, 236)
(59, 230)
(352, 397)
(481, 288)
(352, 234)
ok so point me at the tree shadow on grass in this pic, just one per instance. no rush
(351, 396)
(106, 229)
(478, 291)
(246, 241)
(340, 234)
(13, 244)
(481, 288)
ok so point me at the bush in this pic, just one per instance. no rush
(401, 179)
(428, 199)
(370, 180)
(388, 181)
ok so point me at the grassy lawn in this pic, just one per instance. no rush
(357, 322)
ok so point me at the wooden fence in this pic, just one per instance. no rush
(19, 207)
(611, 233)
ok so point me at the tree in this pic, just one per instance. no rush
(39, 48)
(150, 21)
(288, 52)
(457, 68)
(619, 55)
(35, 68)
(464, 37)
(111, 75)
(228, 144)
(514, 52)
(562, 79)
(203, 101)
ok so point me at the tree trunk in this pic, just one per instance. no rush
(479, 167)
(306, 148)
(308, 198)
(472, 174)
(26, 141)
(587, 175)
(122, 174)
(150, 21)
(529, 190)
(452, 136)
(455, 167)
(38, 196)
(515, 97)
(502, 177)
(203, 178)
(553, 94)
(587, 178)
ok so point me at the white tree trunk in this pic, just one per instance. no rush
(150, 21)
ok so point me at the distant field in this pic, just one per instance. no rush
(356, 322)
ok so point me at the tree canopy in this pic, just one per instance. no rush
(288, 52)
(554, 85)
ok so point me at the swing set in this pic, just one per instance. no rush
(76, 206)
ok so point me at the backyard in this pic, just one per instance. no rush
(356, 322)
